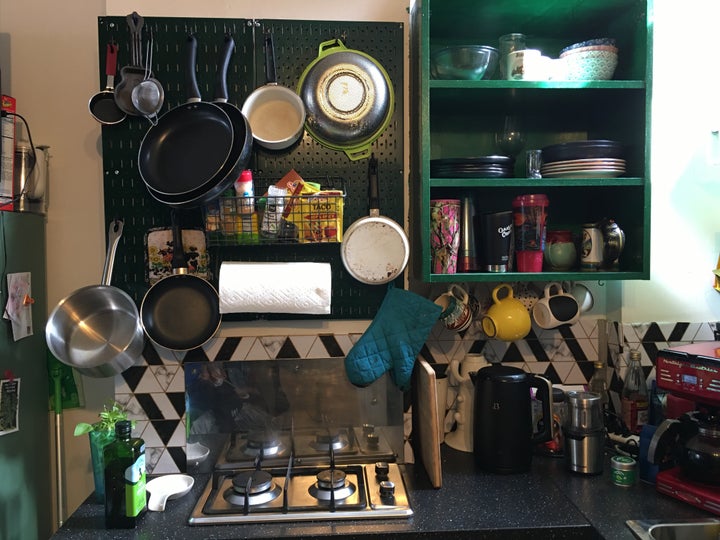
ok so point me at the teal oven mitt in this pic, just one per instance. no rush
(393, 339)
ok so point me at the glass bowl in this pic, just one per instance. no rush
(464, 62)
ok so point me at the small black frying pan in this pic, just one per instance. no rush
(182, 311)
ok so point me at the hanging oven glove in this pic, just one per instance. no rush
(393, 339)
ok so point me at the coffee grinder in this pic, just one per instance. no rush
(686, 446)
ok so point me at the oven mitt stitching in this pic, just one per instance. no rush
(393, 339)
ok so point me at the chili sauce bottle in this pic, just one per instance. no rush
(125, 495)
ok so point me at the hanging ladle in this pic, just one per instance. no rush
(148, 96)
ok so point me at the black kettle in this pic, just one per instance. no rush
(503, 431)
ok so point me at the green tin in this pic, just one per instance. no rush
(624, 471)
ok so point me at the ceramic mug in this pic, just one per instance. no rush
(507, 319)
(457, 308)
(584, 297)
(523, 64)
(556, 309)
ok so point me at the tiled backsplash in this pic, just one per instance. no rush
(154, 391)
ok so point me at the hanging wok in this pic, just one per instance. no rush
(349, 99)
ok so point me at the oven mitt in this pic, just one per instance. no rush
(393, 339)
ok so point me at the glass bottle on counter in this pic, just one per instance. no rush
(635, 395)
(125, 494)
(598, 383)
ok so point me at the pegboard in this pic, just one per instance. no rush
(296, 45)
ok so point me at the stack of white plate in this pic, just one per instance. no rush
(584, 168)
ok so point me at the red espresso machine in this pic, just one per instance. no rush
(690, 437)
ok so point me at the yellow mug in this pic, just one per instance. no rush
(507, 319)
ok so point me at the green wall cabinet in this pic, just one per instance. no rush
(458, 118)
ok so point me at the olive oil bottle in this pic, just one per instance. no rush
(125, 495)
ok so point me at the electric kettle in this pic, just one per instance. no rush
(503, 438)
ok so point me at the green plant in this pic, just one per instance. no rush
(109, 416)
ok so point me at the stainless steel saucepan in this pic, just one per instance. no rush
(97, 329)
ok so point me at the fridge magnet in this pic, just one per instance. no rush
(9, 405)
(19, 304)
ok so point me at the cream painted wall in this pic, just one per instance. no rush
(685, 184)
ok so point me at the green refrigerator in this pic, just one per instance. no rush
(26, 482)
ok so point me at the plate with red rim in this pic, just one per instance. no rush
(589, 161)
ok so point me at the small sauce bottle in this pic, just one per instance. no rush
(125, 494)
(244, 188)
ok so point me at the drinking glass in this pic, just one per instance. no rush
(510, 139)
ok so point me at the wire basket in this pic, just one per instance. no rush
(293, 219)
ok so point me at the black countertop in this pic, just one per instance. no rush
(548, 502)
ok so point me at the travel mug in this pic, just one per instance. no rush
(444, 235)
(530, 216)
(496, 240)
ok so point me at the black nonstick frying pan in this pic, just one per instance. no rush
(190, 144)
(182, 311)
(239, 153)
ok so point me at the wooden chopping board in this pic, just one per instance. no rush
(425, 420)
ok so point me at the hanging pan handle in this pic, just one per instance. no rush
(114, 234)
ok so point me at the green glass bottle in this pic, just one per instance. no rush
(125, 495)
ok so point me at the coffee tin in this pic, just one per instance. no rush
(624, 471)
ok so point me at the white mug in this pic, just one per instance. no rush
(583, 296)
(558, 309)
(523, 65)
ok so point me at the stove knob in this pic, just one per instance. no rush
(382, 469)
(387, 489)
(373, 440)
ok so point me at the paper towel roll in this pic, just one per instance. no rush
(257, 287)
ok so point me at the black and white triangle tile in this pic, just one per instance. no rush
(154, 390)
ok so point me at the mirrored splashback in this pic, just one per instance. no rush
(271, 399)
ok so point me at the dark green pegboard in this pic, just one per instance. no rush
(296, 46)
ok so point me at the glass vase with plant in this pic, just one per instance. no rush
(101, 433)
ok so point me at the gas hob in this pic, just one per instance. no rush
(342, 492)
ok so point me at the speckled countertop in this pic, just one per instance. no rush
(548, 502)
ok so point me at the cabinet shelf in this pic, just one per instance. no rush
(459, 119)
(529, 183)
(500, 84)
(534, 276)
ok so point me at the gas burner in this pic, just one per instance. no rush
(257, 487)
(263, 442)
(331, 484)
(325, 441)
